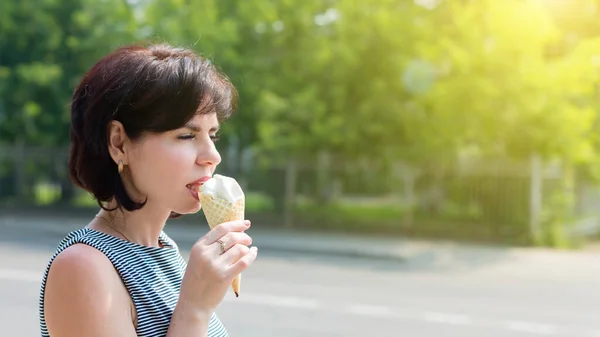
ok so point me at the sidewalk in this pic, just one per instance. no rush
(294, 241)
(185, 232)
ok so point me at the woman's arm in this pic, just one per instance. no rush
(85, 296)
(209, 275)
(188, 321)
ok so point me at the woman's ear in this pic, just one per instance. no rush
(117, 138)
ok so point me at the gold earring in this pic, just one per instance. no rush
(120, 166)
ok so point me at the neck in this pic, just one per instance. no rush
(142, 226)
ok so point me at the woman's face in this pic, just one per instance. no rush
(169, 168)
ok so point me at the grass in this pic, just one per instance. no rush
(47, 194)
(259, 202)
(354, 211)
(343, 213)
(371, 215)
(84, 199)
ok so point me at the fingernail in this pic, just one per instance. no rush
(247, 222)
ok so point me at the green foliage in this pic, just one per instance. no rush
(382, 82)
(385, 79)
(46, 46)
(375, 216)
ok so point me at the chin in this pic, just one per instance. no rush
(190, 209)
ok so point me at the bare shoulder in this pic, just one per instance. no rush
(84, 292)
(81, 259)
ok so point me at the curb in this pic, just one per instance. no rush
(269, 240)
(286, 241)
(297, 247)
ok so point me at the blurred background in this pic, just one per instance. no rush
(416, 167)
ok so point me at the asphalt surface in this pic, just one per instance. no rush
(294, 294)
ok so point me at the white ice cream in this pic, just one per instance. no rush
(223, 187)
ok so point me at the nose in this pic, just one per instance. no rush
(208, 154)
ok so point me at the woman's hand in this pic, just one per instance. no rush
(210, 271)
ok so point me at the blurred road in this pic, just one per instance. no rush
(293, 294)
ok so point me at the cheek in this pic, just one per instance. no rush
(163, 166)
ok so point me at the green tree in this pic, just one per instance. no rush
(42, 60)
(45, 47)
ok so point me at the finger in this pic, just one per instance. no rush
(244, 262)
(232, 238)
(220, 230)
(218, 248)
(235, 253)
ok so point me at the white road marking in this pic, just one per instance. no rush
(19, 275)
(531, 327)
(276, 301)
(447, 318)
(370, 310)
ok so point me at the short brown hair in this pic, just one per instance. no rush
(149, 90)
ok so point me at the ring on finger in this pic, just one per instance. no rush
(223, 247)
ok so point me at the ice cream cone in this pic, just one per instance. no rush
(218, 210)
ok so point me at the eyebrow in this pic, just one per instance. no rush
(196, 128)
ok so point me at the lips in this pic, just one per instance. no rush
(194, 186)
(194, 190)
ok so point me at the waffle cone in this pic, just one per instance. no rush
(217, 211)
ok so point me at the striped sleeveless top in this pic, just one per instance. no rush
(152, 276)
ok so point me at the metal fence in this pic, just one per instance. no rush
(514, 201)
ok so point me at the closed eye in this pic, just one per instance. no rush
(187, 137)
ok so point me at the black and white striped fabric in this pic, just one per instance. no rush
(152, 276)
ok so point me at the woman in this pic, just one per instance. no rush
(144, 123)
